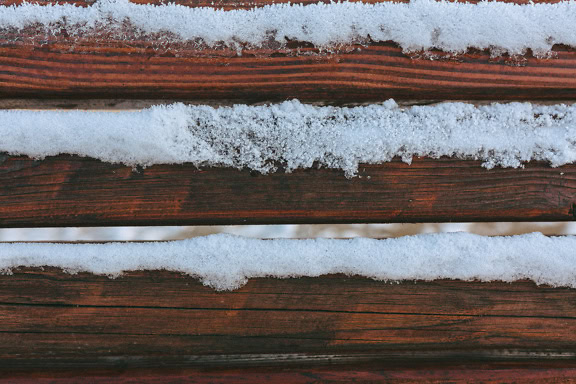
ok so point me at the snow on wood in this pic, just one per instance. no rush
(296, 135)
(226, 262)
(418, 25)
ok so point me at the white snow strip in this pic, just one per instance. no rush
(418, 25)
(296, 135)
(226, 262)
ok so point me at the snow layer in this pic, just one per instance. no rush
(296, 135)
(226, 262)
(420, 24)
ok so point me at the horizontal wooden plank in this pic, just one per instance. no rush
(61, 67)
(540, 372)
(50, 320)
(75, 191)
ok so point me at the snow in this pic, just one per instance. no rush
(418, 25)
(296, 135)
(226, 262)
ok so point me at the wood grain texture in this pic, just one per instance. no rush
(33, 64)
(151, 320)
(74, 191)
(431, 372)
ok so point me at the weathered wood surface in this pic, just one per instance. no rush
(429, 372)
(36, 65)
(147, 320)
(75, 191)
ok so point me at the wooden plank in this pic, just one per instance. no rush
(147, 320)
(74, 191)
(372, 73)
(540, 372)
(62, 67)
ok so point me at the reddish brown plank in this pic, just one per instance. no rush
(51, 320)
(533, 372)
(74, 191)
(89, 68)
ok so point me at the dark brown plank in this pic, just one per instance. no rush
(532, 372)
(146, 320)
(74, 191)
(102, 68)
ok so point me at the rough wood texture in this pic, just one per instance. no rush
(51, 320)
(74, 191)
(432, 372)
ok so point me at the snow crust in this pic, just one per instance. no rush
(295, 135)
(418, 25)
(226, 262)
